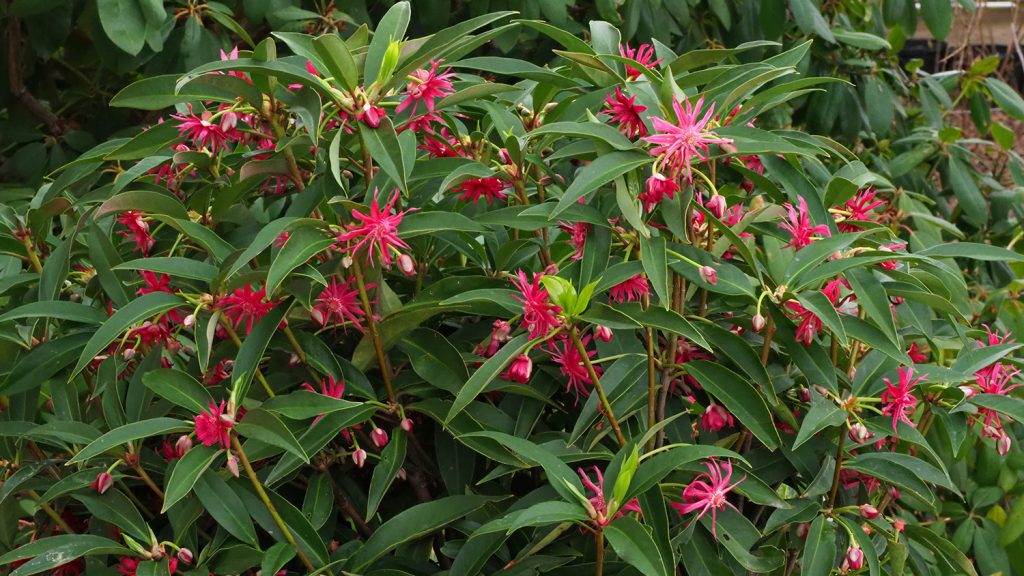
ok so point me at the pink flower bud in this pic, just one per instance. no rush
(1003, 444)
(406, 425)
(992, 432)
(521, 369)
(185, 555)
(189, 321)
(501, 332)
(317, 316)
(551, 269)
(708, 274)
(128, 354)
(859, 433)
(804, 394)
(894, 492)
(868, 511)
(294, 360)
(603, 333)
(232, 465)
(359, 457)
(103, 482)
(407, 265)
(802, 530)
(379, 437)
(899, 525)
(968, 391)
(855, 558)
(716, 205)
(183, 445)
(757, 323)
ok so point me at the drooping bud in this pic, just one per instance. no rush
(103, 482)
(232, 465)
(189, 321)
(899, 525)
(709, 275)
(859, 433)
(379, 437)
(501, 332)
(716, 205)
(359, 457)
(802, 530)
(128, 354)
(757, 323)
(521, 369)
(406, 425)
(407, 265)
(868, 511)
(1003, 444)
(855, 558)
(603, 333)
(968, 391)
(183, 445)
(185, 555)
(317, 316)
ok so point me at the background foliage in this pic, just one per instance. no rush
(108, 363)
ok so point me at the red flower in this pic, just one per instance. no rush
(994, 380)
(203, 129)
(715, 418)
(371, 115)
(626, 113)
(677, 145)
(709, 491)
(810, 325)
(656, 188)
(129, 566)
(644, 55)
(213, 426)
(476, 188)
(138, 230)
(103, 482)
(570, 363)
(246, 304)
(799, 226)
(630, 290)
(539, 314)
(330, 387)
(597, 499)
(339, 301)
(858, 208)
(426, 86)
(220, 372)
(520, 370)
(892, 264)
(153, 282)
(899, 402)
(377, 231)
(577, 236)
(917, 354)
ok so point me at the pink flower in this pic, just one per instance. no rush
(421, 124)
(644, 55)
(246, 305)
(631, 290)
(219, 373)
(656, 188)
(103, 482)
(994, 380)
(709, 491)
(377, 231)
(539, 314)
(426, 86)
(715, 418)
(213, 426)
(476, 188)
(709, 275)
(153, 282)
(799, 226)
(899, 402)
(577, 236)
(891, 264)
(202, 129)
(339, 302)
(625, 112)
(371, 115)
(810, 324)
(330, 387)
(520, 370)
(676, 145)
(603, 333)
(917, 354)
(597, 499)
(138, 230)
(854, 558)
(858, 208)
(868, 511)
(570, 364)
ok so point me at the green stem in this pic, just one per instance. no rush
(574, 335)
(371, 327)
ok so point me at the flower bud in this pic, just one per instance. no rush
(103, 482)
(501, 332)
(407, 265)
(859, 433)
(868, 511)
(189, 321)
(183, 445)
(1003, 444)
(855, 558)
(716, 205)
(359, 457)
(804, 394)
(603, 333)
(968, 391)
(379, 437)
(899, 525)
(406, 425)
(185, 555)
(708, 274)
(521, 369)
(757, 322)
(128, 354)
(802, 530)
(232, 465)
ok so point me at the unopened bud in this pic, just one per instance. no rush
(708, 274)
(868, 511)
(359, 457)
(103, 482)
(757, 322)
(855, 558)
(859, 433)
(317, 316)
(501, 332)
(1003, 444)
(232, 465)
(379, 437)
(406, 425)
(183, 445)
(128, 354)
(603, 333)
(716, 205)
(189, 321)
(802, 530)
(185, 555)
(407, 265)
(968, 392)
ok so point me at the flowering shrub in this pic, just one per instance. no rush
(384, 307)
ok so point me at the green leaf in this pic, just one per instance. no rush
(1006, 97)
(247, 361)
(145, 201)
(819, 548)
(392, 458)
(823, 414)
(943, 548)
(487, 372)
(432, 222)
(391, 28)
(601, 171)
(173, 266)
(413, 524)
(968, 195)
(128, 433)
(653, 470)
(115, 508)
(158, 92)
(655, 261)
(48, 553)
(890, 471)
(306, 537)
(302, 404)
(740, 352)
(124, 24)
(383, 144)
(225, 507)
(739, 396)
(591, 130)
(284, 71)
(663, 319)
(58, 310)
(938, 16)
(822, 307)
(179, 388)
(861, 39)
(871, 296)
(541, 514)
(303, 244)
(560, 476)
(186, 473)
(263, 426)
(1007, 405)
(634, 544)
(435, 359)
(142, 308)
(336, 56)
(986, 252)
(275, 558)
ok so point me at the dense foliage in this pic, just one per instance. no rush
(374, 305)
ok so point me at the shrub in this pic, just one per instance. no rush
(383, 307)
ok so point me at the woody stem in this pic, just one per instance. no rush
(769, 331)
(50, 512)
(599, 546)
(148, 480)
(605, 405)
(371, 327)
(270, 505)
